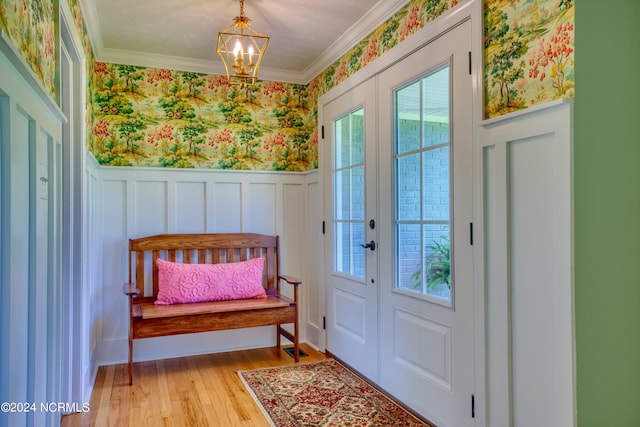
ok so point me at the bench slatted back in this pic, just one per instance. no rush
(201, 249)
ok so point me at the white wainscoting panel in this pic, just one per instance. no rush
(227, 215)
(527, 204)
(150, 206)
(138, 202)
(92, 273)
(114, 317)
(30, 242)
(191, 201)
(261, 220)
(314, 288)
(292, 217)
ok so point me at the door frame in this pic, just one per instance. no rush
(76, 371)
(471, 11)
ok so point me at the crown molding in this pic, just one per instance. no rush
(180, 63)
(92, 24)
(153, 60)
(378, 15)
(382, 11)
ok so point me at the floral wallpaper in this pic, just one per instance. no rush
(147, 117)
(153, 117)
(165, 118)
(528, 50)
(74, 7)
(528, 53)
(412, 17)
(33, 27)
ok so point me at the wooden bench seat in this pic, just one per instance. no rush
(152, 311)
(148, 320)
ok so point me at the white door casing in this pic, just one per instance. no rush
(449, 396)
(470, 11)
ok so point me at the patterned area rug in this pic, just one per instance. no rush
(323, 394)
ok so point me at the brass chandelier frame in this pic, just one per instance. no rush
(241, 49)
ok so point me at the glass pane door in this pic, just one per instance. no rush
(426, 205)
(350, 203)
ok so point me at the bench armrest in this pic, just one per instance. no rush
(130, 289)
(290, 280)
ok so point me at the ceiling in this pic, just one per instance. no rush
(306, 35)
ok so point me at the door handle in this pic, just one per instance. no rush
(371, 245)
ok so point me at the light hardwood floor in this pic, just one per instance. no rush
(188, 391)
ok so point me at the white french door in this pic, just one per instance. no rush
(351, 203)
(426, 276)
(398, 252)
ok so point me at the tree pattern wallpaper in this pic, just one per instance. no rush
(528, 53)
(78, 22)
(179, 119)
(411, 18)
(32, 26)
(167, 118)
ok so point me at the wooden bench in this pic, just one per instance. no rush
(148, 320)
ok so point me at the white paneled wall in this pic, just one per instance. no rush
(134, 202)
(91, 279)
(30, 243)
(525, 294)
(315, 291)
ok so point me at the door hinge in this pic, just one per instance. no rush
(471, 233)
(469, 63)
(322, 131)
(323, 229)
(324, 322)
(473, 406)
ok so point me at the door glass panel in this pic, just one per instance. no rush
(408, 118)
(409, 183)
(435, 185)
(423, 185)
(349, 200)
(409, 256)
(435, 108)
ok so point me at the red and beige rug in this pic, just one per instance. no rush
(324, 394)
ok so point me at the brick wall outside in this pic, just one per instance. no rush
(431, 218)
(434, 212)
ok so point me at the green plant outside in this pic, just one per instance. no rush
(437, 265)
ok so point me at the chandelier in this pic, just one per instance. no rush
(241, 49)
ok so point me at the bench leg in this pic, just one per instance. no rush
(296, 343)
(280, 331)
(130, 360)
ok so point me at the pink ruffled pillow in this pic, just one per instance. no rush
(185, 283)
